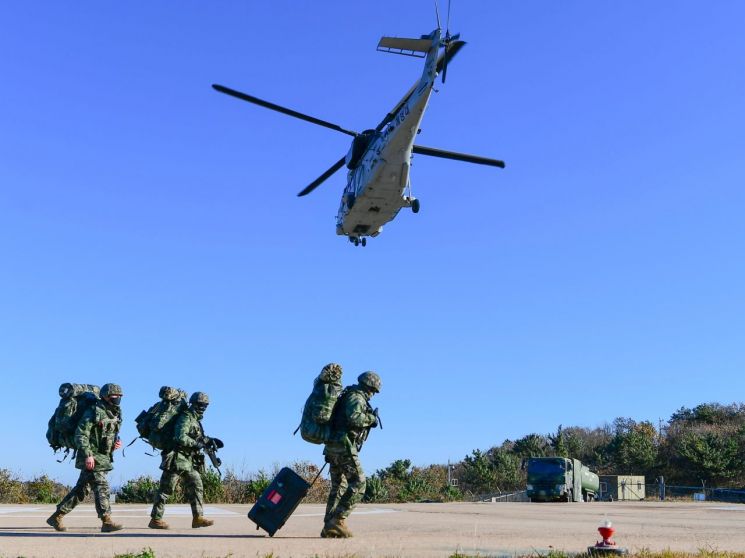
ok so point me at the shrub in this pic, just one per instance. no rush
(44, 490)
(11, 488)
(213, 489)
(138, 491)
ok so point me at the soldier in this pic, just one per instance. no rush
(186, 462)
(96, 438)
(351, 422)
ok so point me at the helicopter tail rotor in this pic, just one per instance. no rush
(447, 42)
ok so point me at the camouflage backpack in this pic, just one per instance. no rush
(315, 425)
(74, 400)
(156, 425)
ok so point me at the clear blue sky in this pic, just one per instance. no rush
(150, 233)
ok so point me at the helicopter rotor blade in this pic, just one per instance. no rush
(432, 152)
(449, 53)
(317, 182)
(445, 62)
(283, 110)
(437, 14)
(448, 40)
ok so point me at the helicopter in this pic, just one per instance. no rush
(378, 161)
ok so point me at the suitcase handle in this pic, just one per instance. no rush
(319, 474)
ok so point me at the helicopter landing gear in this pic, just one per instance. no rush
(357, 240)
(415, 205)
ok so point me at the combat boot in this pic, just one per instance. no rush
(200, 521)
(341, 526)
(158, 524)
(55, 520)
(108, 526)
(336, 528)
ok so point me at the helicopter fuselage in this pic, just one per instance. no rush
(378, 182)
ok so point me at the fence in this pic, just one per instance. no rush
(653, 491)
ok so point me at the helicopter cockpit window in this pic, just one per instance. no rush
(358, 148)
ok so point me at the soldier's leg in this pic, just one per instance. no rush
(338, 487)
(101, 493)
(352, 470)
(195, 494)
(165, 490)
(194, 491)
(72, 499)
(77, 494)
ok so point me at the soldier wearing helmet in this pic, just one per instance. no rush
(186, 462)
(351, 422)
(96, 438)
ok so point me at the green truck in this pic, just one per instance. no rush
(558, 479)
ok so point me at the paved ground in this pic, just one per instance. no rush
(396, 530)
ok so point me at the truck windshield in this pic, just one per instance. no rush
(546, 466)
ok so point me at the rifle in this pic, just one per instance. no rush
(367, 430)
(210, 447)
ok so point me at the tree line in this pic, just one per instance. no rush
(702, 444)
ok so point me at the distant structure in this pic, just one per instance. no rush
(622, 487)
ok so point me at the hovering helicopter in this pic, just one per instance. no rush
(379, 159)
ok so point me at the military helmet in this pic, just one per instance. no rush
(199, 397)
(370, 380)
(330, 373)
(107, 390)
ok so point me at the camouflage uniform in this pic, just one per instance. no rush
(352, 419)
(96, 435)
(185, 462)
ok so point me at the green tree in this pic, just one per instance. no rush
(478, 473)
(532, 445)
(710, 456)
(634, 448)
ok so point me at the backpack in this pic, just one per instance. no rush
(75, 399)
(156, 425)
(315, 425)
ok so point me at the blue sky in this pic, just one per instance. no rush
(150, 232)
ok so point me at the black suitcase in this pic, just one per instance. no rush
(279, 500)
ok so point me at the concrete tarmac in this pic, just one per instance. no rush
(385, 530)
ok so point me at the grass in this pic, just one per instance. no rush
(643, 553)
(146, 553)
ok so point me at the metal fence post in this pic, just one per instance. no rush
(662, 487)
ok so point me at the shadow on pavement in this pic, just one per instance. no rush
(27, 532)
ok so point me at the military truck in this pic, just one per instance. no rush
(558, 479)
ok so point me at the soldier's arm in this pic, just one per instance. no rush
(358, 415)
(182, 430)
(83, 432)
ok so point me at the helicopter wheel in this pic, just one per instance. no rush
(364, 242)
(357, 242)
(415, 206)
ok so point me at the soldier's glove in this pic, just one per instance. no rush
(373, 421)
(90, 463)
